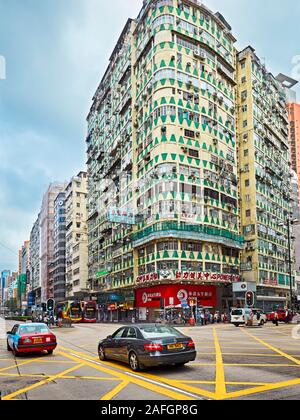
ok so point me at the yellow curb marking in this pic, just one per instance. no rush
(220, 373)
(37, 385)
(109, 396)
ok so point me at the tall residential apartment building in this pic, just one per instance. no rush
(294, 118)
(35, 277)
(47, 240)
(24, 273)
(162, 163)
(76, 237)
(59, 237)
(265, 179)
(4, 276)
(25, 257)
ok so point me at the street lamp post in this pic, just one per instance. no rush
(290, 222)
(290, 263)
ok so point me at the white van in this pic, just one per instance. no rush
(248, 316)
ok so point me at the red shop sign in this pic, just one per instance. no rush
(150, 297)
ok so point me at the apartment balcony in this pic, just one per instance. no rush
(192, 232)
(225, 72)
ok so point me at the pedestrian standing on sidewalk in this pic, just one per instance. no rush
(202, 318)
(276, 319)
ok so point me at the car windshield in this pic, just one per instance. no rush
(237, 312)
(159, 331)
(33, 329)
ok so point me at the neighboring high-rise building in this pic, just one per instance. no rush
(12, 291)
(47, 241)
(295, 197)
(294, 117)
(35, 278)
(5, 274)
(23, 277)
(265, 179)
(76, 237)
(20, 261)
(162, 164)
(59, 232)
(25, 253)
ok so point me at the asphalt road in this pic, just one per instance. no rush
(259, 363)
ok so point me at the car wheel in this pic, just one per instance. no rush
(8, 346)
(134, 362)
(262, 323)
(101, 353)
(236, 325)
(180, 364)
(15, 352)
(50, 352)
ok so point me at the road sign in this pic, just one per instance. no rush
(239, 287)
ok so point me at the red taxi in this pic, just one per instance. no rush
(30, 338)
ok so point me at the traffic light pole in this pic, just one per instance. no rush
(290, 264)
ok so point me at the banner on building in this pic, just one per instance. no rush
(189, 276)
(117, 215)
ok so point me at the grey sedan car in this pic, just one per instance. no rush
(148, 345)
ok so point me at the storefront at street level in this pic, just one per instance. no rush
(220, 282)
(153, 302)
(117, 306)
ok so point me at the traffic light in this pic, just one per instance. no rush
(250, 299)
(50, 305)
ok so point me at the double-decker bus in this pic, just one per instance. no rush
(73, 311)
(89, 312)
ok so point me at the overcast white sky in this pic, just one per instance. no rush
(56, 52)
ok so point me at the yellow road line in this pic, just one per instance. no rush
(227, 383)
(16, 365)
(248, 383)
(16, 375)
(66, 362)
(38, 384)
(144, 384)
(170, 382)
(265, 388)
(274, 349)
(110, 395)
(91, 378)
(252, 354)
(220, 373)
(27, 375)
(180, 381)
(259, 365)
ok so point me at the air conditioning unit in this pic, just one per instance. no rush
(200, 54)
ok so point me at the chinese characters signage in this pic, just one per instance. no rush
(192, 276)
